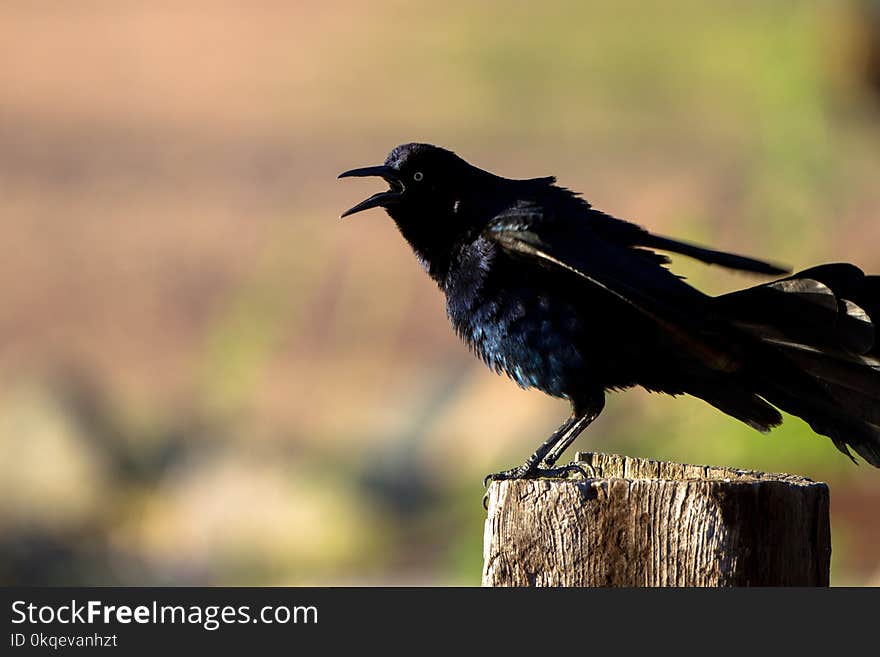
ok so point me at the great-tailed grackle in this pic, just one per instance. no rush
(567, 299)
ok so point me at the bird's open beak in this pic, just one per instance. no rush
(382, 199)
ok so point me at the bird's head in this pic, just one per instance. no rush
(431, 197)
(422, 179)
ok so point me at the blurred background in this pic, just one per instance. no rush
(207, 378)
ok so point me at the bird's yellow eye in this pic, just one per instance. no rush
(418, 176)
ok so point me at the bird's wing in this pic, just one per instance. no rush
(630, 275)
(624, 232)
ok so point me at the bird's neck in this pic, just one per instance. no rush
(437, 233)
(433, 248)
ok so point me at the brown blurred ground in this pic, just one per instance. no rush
(207, 378)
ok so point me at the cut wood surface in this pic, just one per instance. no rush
(637, 522)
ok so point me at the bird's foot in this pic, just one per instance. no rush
(535, 472)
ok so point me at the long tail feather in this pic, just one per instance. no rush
(823, 363)
(710, 256)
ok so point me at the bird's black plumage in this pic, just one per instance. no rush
(574, 302)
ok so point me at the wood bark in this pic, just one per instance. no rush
(636, 522)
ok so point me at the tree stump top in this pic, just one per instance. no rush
(615, 466)
(637, 522)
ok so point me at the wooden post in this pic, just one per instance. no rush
(647, 523)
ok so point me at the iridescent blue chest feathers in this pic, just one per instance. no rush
(508, 317)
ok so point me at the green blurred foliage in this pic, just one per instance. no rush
(206, 378)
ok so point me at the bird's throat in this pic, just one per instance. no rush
(432, 240)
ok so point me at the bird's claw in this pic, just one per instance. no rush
(524, 472)
(514, 473)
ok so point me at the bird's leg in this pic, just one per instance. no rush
(586, 413)
(540, 464)
(532, 468)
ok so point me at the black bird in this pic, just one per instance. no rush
(574, 302)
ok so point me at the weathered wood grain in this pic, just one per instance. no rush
(647, 523)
